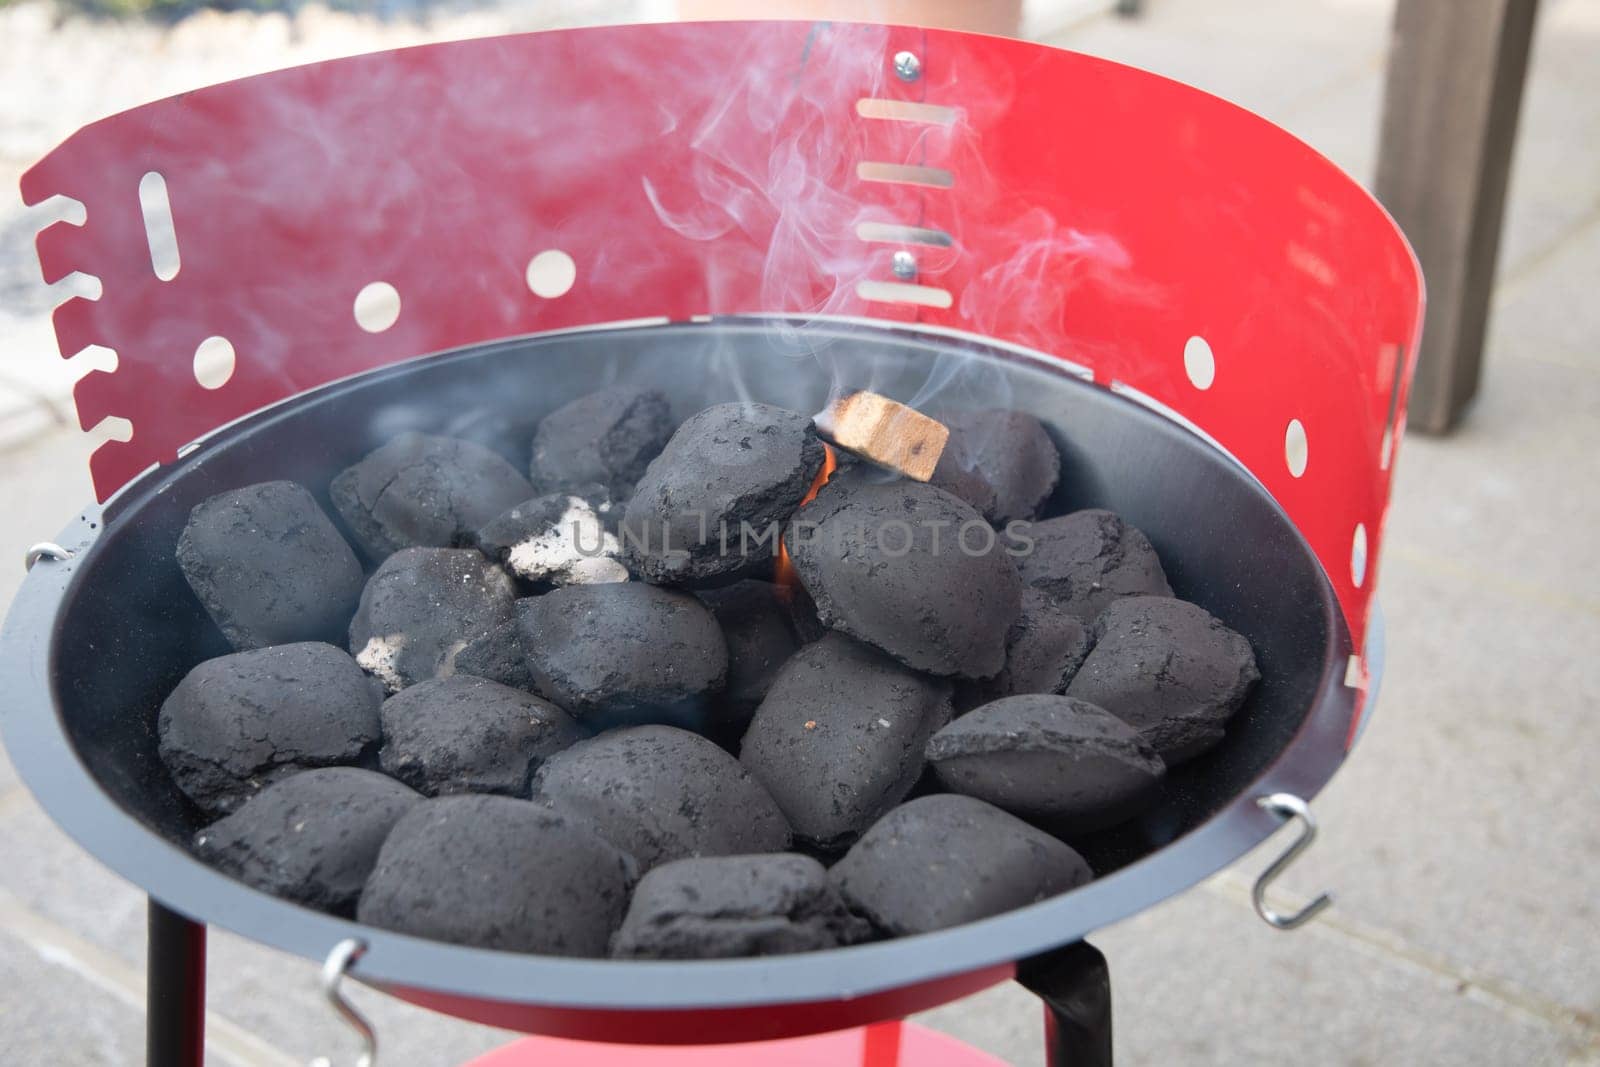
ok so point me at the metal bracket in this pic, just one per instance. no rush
(45, 550)
(334, 968)
(1287, 806)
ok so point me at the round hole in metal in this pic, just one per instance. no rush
(551, 273)
(1296, 449)
(1199, 362)
(214, 360)
(377, 306)
(1358, 555)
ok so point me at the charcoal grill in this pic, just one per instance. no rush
(1214, 321)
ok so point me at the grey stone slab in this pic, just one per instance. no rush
(52, 1015)
(1509, 496)
(8, 775)
(1555, 174)
(1548, 312)
(1201, 980)
(1464, 822)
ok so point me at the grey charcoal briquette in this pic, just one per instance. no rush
(608, 437)
(728, 906)
(498, 656)
(1046, 646)
(943, 860)
(624, 653)
(422, 607)
(470, 735)
(708, 507)
(269, 566)
(1169, 669)
(422, 490)
(560, 538)
(312, 837)
(758, 626)
(1001, 462)
(1089, 558)
(911, 569)
(240, 722)
(662, 794)
(840, 738)
(494, 872)
(1053, 759)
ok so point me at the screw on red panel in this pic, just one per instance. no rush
(907, 66)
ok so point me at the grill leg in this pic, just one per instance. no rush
(1075, 985)
(175, 990)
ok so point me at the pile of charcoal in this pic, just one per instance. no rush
(708, 689)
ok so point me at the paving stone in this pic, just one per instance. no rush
(61, 1017)
(1548, 313)
(1201, 980)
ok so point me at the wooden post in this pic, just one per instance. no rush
(1455, 78)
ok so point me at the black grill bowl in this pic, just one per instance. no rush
(93, 644)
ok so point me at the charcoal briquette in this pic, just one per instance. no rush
(709, 506)
(422, 607)
(1046, 646)
(911, 569)
(269, 566)
(1001, 462)
(1169, 669)
(312, 837)
(946, 859)
(839, 739)
(662, 794)
(1052, 759)
(757, 624)
(607, 437)
(498, 656)
(728, 906)
(624, 653)
(469, 735)
(237, 723)
(495, 872)
(1087, 559)
(422, 490)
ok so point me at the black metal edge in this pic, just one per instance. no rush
(48, 765)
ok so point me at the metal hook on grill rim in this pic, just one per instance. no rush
(45, 550)
(334, 967)
(1287, 806)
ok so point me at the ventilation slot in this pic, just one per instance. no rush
(894, 234)
(899, 173)
(905, 111)
(903, 293)
(158, 228)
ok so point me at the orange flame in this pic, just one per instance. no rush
(783, 573)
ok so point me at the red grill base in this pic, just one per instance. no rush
(884, 1045)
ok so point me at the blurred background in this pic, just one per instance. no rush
(1462, 839)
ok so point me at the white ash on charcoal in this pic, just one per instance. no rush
(559, 538)
(943, 860)
(625, 653)
(422, 607)
(312, 837)
(910, 569)
(1088, 559)
(499, 656)
(662, 794)
(710, 506)
(839, 739)
(758, 627)
(494, 872)
(1001, 462)
(269, 567)
(240, 722)
(1169, 669)
(470, 735)
(607, 437)
(1055, 760)
(422, 490)
(729, 906)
